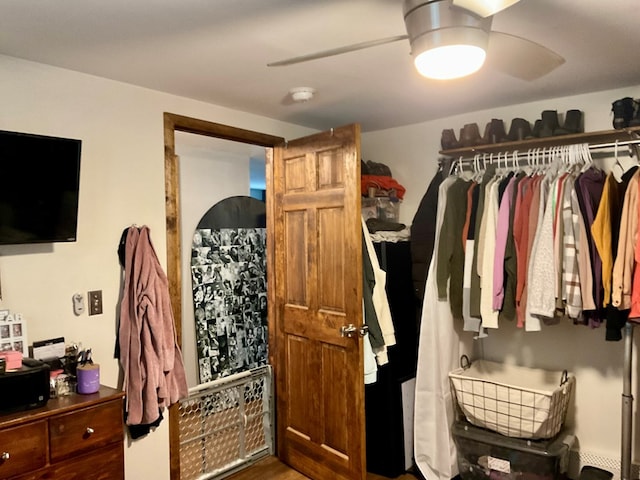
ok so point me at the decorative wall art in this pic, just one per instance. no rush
(228, 271)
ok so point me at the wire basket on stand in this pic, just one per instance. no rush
(511, 400)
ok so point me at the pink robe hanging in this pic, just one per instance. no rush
(154, 375)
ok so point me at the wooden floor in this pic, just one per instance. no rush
(273, 469)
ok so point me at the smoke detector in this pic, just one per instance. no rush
(302, 94)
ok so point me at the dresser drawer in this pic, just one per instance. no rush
(85, 429)
(104, 464)
(23, 448)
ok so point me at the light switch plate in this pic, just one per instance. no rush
(95, 302)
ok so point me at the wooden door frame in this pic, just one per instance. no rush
(173, 123)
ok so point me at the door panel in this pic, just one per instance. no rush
(296, 265)
(331, 294)
(317, 249)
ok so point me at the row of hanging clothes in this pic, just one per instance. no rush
(528, 238)
(539, 239)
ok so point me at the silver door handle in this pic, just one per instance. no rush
(350, 330)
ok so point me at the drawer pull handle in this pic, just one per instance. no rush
(5, 456)
(89, 430)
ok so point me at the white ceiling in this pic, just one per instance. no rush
(217, 50)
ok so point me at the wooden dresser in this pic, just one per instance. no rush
(76, 437)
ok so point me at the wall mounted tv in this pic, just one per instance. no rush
(39, 184)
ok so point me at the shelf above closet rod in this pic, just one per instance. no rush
(592, 138)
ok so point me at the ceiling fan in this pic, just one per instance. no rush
(440, 30)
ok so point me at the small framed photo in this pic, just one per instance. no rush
(13, 332)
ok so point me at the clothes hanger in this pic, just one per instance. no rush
(617, 163)
(561, 155)
(571, 156)
(537, 161)
(530, 165)
(478, 170)
(578, 158)
(452, 166)
(586, 157)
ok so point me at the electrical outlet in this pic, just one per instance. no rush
(95, 302)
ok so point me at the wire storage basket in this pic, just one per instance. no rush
(514, 401)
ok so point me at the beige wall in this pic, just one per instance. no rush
(412, 154)
(121, 183)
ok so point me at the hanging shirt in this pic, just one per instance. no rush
(589, 186)
(423, 231)
(370, 365)
(525, 221)
(532, 322)
(634, 314)
(502, 230)
(474, 295)
(471, 324)
(558, 251)
(623, 265)
(450, 252)
(486, 262)
(601, 233)
(508, 311)
(584, 258)
(570, 273)
(380, 300)
(370, 315)
(541, 300)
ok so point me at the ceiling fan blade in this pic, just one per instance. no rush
(337, 51)
(519, 57)
(484, 8)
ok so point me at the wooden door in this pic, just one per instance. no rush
(315, 236)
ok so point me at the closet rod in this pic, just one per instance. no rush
(508, 156)
(621, 143)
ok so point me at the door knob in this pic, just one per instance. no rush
(350, 330)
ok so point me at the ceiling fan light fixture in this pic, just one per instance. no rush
(450, 61)
(485, 8)
(446, 41)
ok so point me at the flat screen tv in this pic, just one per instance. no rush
(39, 185)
